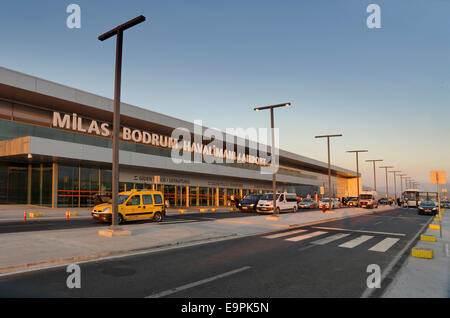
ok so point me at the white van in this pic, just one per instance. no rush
(368, 199)
(286, 202)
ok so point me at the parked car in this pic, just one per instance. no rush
(428, 207)
(133, 205)
(326, 201)
(308, 204)
(285, 202)
(249, 202)
(352, 201)
(368, 199)
(383, 201)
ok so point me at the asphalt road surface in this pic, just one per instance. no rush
(325, 260)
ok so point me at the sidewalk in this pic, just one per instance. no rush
(426, 278)
(15, 212)
(43, 248)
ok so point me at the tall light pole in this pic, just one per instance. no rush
(118, 32)
(395, 183)
(401, 182)
(410, 181)
(329, 165)
(407, 180)
(374, 172)
(357, 165)
(272, 125)
(387, 184)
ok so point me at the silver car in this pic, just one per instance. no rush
(308, 204)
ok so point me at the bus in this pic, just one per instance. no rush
(411, 197)
(428, 196)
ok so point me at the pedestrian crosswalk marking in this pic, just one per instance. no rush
(357, 241)
(305, 236)
(384, 245)
(381, 246)
(330, 238)
(357, 231)
(283, 234)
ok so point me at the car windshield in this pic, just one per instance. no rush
(307, 200)
(122, 198)
(251, 197)
(325, 200)
(366, 196)
(428, 203)
(269, 196)
(353, 199)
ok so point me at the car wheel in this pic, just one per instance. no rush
(120, 220)
(278, 210)
(294, 209)
(157, 217)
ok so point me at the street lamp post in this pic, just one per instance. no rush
(357, 166)
(395, 183)
(407, 182)
(118, 32)
(387, 184)
(374, 173)
(401, 182)
(329, 166)
(272, 125)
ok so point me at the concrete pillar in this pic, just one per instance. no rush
(55, 185)
(217, 197)
(187, 196)
(29, 184)
(41, 182)
(197, 199)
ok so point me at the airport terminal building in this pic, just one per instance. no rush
(55, 150)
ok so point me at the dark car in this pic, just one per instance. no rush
(352, 201)
(383, 201)
(428, 207)
(249, 202)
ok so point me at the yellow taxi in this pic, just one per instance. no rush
(133, 205)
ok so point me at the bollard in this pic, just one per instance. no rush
(24, 215)
(324, 208)
(67, 215)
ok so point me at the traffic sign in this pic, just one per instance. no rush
(438, 177)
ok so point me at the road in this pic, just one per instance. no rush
(325, 260)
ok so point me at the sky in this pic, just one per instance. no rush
(386, 90)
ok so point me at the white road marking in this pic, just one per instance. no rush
(305, 236)
(359, 231)
(330, 238)
(446, 250)
(200, 282)
(283, 234)
(384, 245)
(357, 241)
